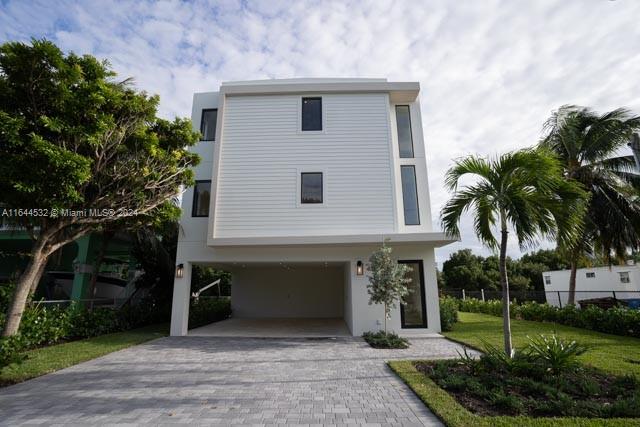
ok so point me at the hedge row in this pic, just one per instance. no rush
(43, 325)
(617, 320)
(448, 313)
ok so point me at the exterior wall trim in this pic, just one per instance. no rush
(401, 90)
(434, 239)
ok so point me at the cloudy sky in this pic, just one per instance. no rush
(491, 71)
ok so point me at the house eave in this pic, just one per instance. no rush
(398, 91)
(433, 239)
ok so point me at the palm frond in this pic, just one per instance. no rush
(470, 165)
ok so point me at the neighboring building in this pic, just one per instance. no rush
(300, 181)
(69, 269)
(619, 281)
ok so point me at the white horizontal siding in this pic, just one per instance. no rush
(263, 152)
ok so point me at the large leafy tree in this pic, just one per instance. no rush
(588, 143)
(72, 137)
(522, 190)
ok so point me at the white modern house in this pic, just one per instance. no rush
(300, 181)
(618, 281)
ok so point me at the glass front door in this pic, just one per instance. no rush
(414, 313)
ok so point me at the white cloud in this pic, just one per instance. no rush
(491, 72)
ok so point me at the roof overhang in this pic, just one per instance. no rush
(434, 239)
(398, 91)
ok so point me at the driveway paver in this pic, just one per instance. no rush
(224, 381)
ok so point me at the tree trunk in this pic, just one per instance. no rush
(34, 284)
(572, 281)
(504, 283)
(385, 318)
(27, 281)
(47, 242)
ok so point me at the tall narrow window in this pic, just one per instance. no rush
(405, 139)
(410, 195)
(201, 198)
(413, 311)
(208, 124)
(311, 187)
(311, 114)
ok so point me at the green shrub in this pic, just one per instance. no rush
(554, 353)
(473, 305)
(91, 323)
(385, 340)
(208, 310)
(42, 325)
(617, 320)
(10, 350)
(448, 313)
(147, 312)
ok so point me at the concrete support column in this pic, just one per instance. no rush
(431, 291)
(181, 297)
(83, 267)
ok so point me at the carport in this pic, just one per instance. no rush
(284, 300)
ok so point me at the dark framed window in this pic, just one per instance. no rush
(311, 114)
(208, 124)
(311, 187)
(405, 137)
(591, 275)
(410, 195)
(201, 198)
(413, 312)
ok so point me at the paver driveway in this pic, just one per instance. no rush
(222, 381)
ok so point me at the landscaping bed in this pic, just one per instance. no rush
(453, 414)
(584, 392)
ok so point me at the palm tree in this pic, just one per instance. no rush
(523, 190)
(587, 144)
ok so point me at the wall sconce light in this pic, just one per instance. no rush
(179, 271)
(359, 268)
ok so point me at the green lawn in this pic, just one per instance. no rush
(612, 353)
(49, 359)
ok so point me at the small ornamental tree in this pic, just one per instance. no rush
(80, 152)
(387, 281)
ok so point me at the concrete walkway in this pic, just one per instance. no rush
(223, 381)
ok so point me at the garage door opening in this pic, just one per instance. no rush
(284, 300)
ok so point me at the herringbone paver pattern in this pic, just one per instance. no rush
(223, 381)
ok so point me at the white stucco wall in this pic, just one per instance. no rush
(288, 291)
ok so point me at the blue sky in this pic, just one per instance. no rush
(491, 71)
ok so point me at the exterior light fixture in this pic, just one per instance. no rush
(180, 271)
(359, 268)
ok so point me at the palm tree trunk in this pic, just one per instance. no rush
(504, 283)
(572, 282)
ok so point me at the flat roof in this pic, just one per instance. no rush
(435, 239)
(398, 91)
